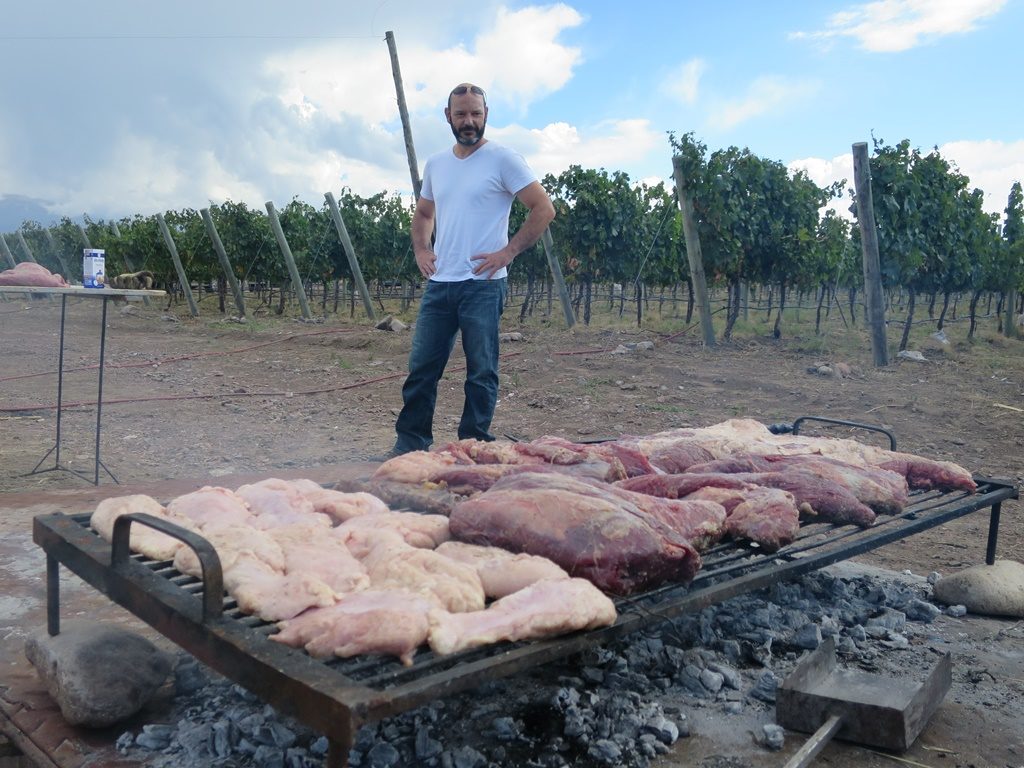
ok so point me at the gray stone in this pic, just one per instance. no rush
(467, 757)
(605, 751)
(920, 610)
(993, 590)
(383, 755)
(98, 674)
(957, 611)
(808, 636)
(730, 677)
(663, 729)
(713, 681)
(888, 619)
(155, 737)
(765, 687)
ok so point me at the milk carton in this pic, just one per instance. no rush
(93, 272)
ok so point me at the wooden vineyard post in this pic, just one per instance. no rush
(289, 260)
(693, 254)
(1010, 314)
(182, 277)
(556, 274)
(127, 259)
(869, 252)
(25, 249)
(56, 252)
(225, 263)
(350, 254)
(403, 111)
(6, 250)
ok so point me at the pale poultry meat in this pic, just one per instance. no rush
(389, 622)
(502, 572)
(400, 566)
(271, 595)
(415, 467)
(418, 530)
(544, 609)
(307, 550)
(340, 505)
(232, 543)
(277, 502)
(212, 507)
(143, 539)
(360, 541)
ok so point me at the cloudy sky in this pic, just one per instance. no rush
(117, 107)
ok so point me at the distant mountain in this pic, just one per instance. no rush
(16, 209)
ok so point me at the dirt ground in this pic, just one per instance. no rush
(207, 397)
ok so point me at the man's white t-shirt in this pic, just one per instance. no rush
(472, 198)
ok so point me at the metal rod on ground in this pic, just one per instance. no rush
(6, 250)
(350, 254)
(403, 111)
(556, 274)
(182, 278)
(289, 260)
(693, 254)
(225, 263)
(25, 249)
(869, 253)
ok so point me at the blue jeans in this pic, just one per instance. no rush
(474, 308)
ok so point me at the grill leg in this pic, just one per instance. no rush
(993, 533)
(52, 595)
(337, 755)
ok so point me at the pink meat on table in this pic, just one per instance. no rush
(32, 275)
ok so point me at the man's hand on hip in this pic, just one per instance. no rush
(426, 261)
(489, 263)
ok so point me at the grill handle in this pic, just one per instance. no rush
(794, 428)
(213, 576)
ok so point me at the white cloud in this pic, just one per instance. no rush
(765, 95)
(613, 145)
(683, 82)
(991, 166)
(898, 25)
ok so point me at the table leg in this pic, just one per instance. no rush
(99, 397)
(60, 393)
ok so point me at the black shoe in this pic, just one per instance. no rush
(385, 456)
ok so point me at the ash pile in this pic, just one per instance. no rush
(623, 704)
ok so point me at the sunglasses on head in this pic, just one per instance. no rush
(461, 90)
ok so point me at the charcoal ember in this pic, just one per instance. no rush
(467, 757)
(565, 698)
(896, 642)
(663, 729)
(593, 675)
(576, 726)
(646, 745)
(244, 694)
(124, 742)
(846, 645)
(732, 651)
(383, 755)
(765, 687)
(923, 611)
(268, 757)
(297, 757)
(829, 626)
(689, 678)
(711, 680)
(196, 739)
(934, 577)
(251, 723)
(858, 633)
(425, 746)
(319, 746)
(772, 737)
(732, 707)
(505, 728)
(274, 734)
(808, 637)
(155, 737)
(225, 736)
(956, 611)
(730, 677)
(605, 751)
(189, 676)
(890, 619)
(246, 747)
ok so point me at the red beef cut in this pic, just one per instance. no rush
(609, 541)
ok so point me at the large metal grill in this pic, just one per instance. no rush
(336, 697)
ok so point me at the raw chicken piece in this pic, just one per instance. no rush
(232, 543)
(425, 531)
(399, 566)
(279, 502)
(388, 622)
(271, 595)
(337, 505)
(307, 550)
(501, 572)
(415, 467)
(361, 541)
(212, 507)
(544, 609)
(146, 540)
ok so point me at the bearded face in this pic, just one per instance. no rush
(467, 116)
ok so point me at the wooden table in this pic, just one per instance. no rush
(88, 293)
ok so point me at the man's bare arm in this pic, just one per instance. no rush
(422, 229)
(540, 213)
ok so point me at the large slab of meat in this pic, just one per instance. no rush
(606, 539)
(32, 275)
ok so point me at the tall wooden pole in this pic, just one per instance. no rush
(556, 274)
(182, 277)
(56, 252)
(289, 260)
(403, 111)
(869, 253)
(6, 251)
(225, 263)
(693, 254)
(1010, 314)
(350, 254)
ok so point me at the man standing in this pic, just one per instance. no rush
(467, 192)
